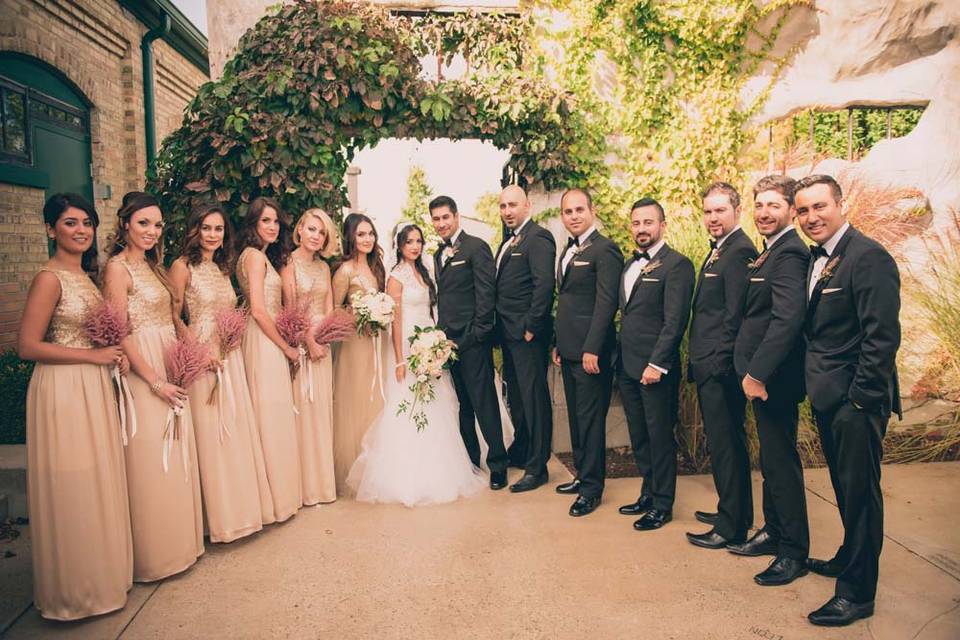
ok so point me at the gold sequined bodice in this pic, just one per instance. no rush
(148, 302)
(313, 284)
(272, 291)
(347, 282)
(78, 296)
(209, 292)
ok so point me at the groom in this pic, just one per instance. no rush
(466, 282)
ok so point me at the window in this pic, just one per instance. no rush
(20, 109)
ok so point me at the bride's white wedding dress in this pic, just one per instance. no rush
(397, 463)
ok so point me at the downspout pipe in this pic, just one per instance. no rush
(149, 97)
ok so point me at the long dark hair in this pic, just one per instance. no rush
(402, 237)
(190, 247)
(350, 251)
(278, 253)
(132, 202)
(55, 207)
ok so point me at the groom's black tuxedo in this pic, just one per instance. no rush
(585, 309)
(524, 303)
(653, 318)
(465, 305)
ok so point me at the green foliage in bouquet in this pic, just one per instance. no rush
(430, 353)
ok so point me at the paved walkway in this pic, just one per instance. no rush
(516, 566)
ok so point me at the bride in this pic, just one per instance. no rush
(397, 463)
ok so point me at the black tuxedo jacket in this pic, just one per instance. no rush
(769, 343)
(717, 308)
(587, 299)
(465, 291)
(853, 329)
(655, 312)
(525, 284)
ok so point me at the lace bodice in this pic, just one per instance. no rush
(148, 301)
(78, 296)
(208, 293)
(313, 284)
(272, 290)
(414, 303)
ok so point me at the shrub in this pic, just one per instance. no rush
(14, 380)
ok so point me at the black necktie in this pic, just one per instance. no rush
(641, 255)
(818, 252)
(573, 241)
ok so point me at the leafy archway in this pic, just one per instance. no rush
(316, 81)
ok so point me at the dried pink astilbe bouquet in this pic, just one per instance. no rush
(335, 327)
(231, 324)
(185, 360)
(106, 325)
(293, 323)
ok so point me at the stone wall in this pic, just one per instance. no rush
(95, 44)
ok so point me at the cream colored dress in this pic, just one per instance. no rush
(313, 392)
(268, 378)
(357, 382)
(236, 495)
(76, 483)
(165, 508)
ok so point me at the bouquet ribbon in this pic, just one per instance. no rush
(224, 390)
(306, 383)
(377, 368)
(124, 400)
(171, 432)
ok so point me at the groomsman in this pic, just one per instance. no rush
(655, 293)
(466, 283)
(853, 332)
(717, 307)
(525, 280)
(587, 277)
(768, 357)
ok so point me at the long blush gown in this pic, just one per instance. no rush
(313, 393)
(165, 509)
(76, 482)
(358, 371)
(236, 495)
(268, 378)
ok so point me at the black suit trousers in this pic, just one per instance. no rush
(723, 407)
(651, 419)
(525, 371)
(784, 497)
(852, 443)
(588, 400)
(476, 390)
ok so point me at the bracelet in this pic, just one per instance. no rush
(157, 385)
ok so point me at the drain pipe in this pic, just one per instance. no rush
(149, 99)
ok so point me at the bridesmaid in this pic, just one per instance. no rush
(357, 371)
(76, 485)
(236, 496)
(165, 507)
(306, 278)
(265, 248)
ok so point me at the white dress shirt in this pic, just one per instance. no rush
(571, 253)
(630, 279)
(771, 240)
(506, 246)
(723, 239)
(820, 263)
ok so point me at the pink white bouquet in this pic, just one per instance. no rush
(372, 311)
(334, 327)
(430, 353)
(106, 326)
(185, 360)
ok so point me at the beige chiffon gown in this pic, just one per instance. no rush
(357, 380)
(76, 483)
(236, 495)
(313, 392)
(268, 379)
(165, 509)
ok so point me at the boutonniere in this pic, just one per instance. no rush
(577, 249)
(650, 267)
(828, 270)
(517, 239)
(756, 264)
(714, 256)
(449, 252)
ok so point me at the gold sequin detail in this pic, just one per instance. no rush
(313, 286)
(78, 296)
(148, 302)
(209, 292)
(272, 289)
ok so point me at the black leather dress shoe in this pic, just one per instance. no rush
(760, 544)
(584, 505)
(706, 517)
(570, 488)
(709, 540)
(829, 568)
(839, 612)
(653, 519)
(498, 480)
(782, 570)
(528, 482)
(642, 505)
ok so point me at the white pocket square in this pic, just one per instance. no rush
(710, 275)
(826, 291)
(650, 279)
(458, 262)
(516, 254)
(757, 279)
(580, 263)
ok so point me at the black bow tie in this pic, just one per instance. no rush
(641, 255)
(713, 245)
(446, 243)
(573, 241)
(818, 252)
(764, 244)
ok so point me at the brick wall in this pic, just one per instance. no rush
(96, 45)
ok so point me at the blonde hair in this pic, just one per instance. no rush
(331, 243)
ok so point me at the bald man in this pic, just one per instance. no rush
(524, 302)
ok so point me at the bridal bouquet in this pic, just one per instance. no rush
(106, 326)
(430, 353)
(185, 360)
(372, 311)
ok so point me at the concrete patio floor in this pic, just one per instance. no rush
(516, 566)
